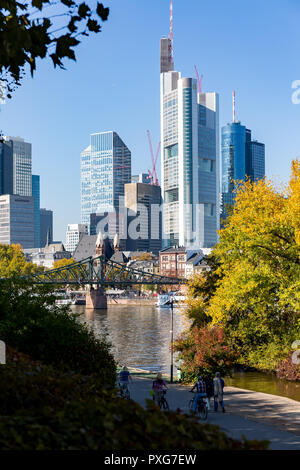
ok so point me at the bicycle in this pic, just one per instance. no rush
(162, 401)
(124, 390)
(202, 410)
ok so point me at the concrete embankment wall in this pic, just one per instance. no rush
(144, 302)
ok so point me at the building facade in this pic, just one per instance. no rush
(189, 160)
(74, 234)
(36, 197)
(6, 168)
(144, 217)
(172, 261)
(22, 166)
(105, 168)
(46, 227)
(17, 220)
(241, 158)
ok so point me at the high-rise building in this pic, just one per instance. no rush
(6, 168)
(241, 157)
(141, 178)
(17, 220)
(189, 159)
(144, 217)
(46, 227)
(74, 234)
(105, 168)
(36, 197)
(22, 166)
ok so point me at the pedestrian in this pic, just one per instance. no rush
(218, 392)
(209, 390)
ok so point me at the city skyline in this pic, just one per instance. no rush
(263, 89)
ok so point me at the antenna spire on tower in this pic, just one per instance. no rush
(233, 106)
(171, 33)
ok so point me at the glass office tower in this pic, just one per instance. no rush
(22, 166)
(189, 162)
(105, 168)
(6, 168)
(241, 157)
(36, 197)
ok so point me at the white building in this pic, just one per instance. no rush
(17, 220)
(74, 234)
(189, 158)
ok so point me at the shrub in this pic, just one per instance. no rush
(33, 324)
(286, 369)
(44, 409)
(205, 351)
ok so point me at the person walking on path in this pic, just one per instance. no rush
(218, 392)
(200, 387)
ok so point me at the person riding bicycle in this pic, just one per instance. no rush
(200, 386)
(124, 378)
(158, 386)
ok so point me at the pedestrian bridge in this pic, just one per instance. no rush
(101, 272)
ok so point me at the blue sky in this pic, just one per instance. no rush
(252, 46)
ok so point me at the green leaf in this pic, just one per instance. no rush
(102, 12)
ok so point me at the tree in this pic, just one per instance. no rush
(258, 295)
(36, 29)
(13, 262)
(63, 262)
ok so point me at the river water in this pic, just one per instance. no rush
(140, 337)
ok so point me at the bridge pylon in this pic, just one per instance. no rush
(95, 298)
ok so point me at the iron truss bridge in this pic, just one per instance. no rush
(104, 273)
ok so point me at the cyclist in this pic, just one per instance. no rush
(158, 386)
(200, 386)
(124, 378)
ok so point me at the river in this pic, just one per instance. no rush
(140, 337)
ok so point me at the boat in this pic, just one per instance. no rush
(165, 300)
(65, 302)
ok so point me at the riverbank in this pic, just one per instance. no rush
(252, 414)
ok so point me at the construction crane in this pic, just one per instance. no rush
(152, 174)
(199, 80)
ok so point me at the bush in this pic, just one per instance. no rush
(286, 369)
(205, 351)
(43, 409)
(33, 324)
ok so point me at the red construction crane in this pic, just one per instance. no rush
(199, 80)
(153, 174)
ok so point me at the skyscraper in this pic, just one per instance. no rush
(6, 168)
(189, 160)
(143, 202)
(46, 226)
(22, 166)
(17, 220)
(105, 168)
(241, 157)
(36, 197)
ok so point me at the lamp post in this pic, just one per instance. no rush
(172, 323)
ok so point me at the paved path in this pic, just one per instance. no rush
(252, 414)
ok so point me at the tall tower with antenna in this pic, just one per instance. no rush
(189, 155)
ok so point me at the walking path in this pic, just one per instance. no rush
(252, 414)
